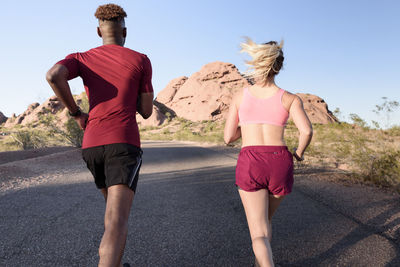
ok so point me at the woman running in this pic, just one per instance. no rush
(264, 171)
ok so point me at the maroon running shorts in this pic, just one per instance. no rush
(265, 167)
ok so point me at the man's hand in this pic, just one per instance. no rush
(81, 120)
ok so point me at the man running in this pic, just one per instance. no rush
(117, 82)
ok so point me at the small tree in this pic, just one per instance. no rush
(338, 113)
(357, 120)
(27, 139)
(385, 110)
(73, 133)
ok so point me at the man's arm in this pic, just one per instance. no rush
(145, 104)
(57, 77)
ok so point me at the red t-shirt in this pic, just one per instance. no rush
(113, 77)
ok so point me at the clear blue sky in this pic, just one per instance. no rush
(346, 52)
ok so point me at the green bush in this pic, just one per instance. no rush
(28, 139)
(73, 133)
(357, 120)
(393, 131)
(381, 168)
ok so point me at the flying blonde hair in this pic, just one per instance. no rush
(267, 59)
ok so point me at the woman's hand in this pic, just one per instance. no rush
(296, 156)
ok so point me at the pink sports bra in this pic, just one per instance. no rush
(263, 110)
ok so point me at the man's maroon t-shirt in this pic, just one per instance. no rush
(113, 77)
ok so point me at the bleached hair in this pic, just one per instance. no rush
(267, 59)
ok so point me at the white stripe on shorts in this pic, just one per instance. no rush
(138, 164)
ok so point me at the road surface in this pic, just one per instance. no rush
(187, 212)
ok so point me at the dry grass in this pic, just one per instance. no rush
(371, 155)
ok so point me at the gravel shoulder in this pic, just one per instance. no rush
(10, 156)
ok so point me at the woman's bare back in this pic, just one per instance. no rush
(264, 134)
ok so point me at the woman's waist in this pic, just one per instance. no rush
(262, 136)
(275, 143)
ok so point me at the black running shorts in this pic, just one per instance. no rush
(114, 164)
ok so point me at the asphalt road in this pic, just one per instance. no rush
(187, 212)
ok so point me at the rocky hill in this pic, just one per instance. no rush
(205, 95)
(32, 115)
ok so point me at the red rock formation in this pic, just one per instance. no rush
(34, 111)
(206, 94)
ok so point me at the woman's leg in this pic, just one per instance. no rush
(256, 207)
(274, 202)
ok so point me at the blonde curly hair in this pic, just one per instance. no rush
(267, 59)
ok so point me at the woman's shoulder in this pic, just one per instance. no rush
(289, 98)
(237, 96)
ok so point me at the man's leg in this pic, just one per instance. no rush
(118, 205)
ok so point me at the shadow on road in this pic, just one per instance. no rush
(178, 218)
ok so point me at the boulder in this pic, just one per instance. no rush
(3, 118)
(10, 121)
(32, 106)
(156, 119)
(168, 93)
(317, 109)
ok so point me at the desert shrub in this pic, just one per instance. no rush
(338, 113)
(393, 131)
(169, 116)
(291, 141)
(9, 145)
(209, 126)
(357, 120)
(26, 139)
(165, 131)
(148, 128)
(73, 133)
(382, 168)
(84, 104)
(385, 112)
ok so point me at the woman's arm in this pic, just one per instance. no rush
(302, 123)
(232, 130)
